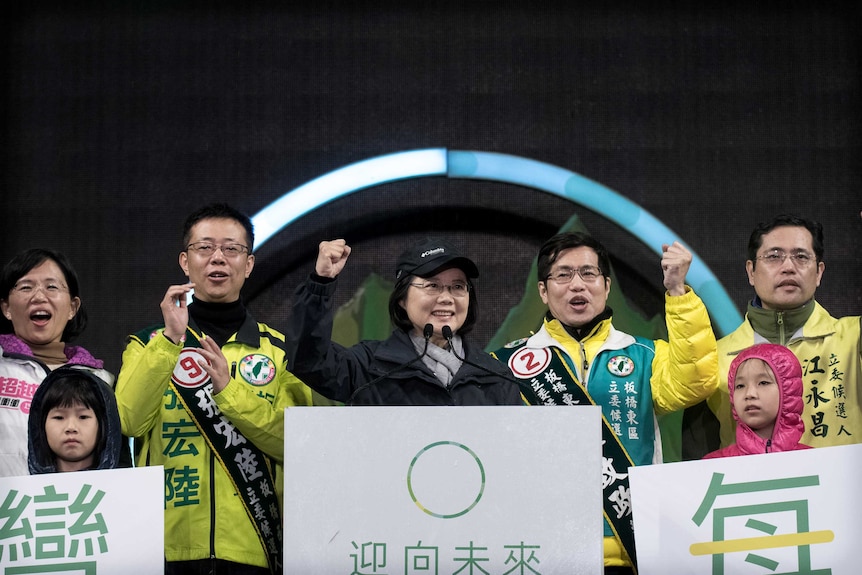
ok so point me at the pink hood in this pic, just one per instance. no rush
(789, 426)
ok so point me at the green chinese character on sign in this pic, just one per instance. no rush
(88, 522)
(420, 559)
(471, 562)
(50, 525)
(371, 558)
(764, 532)
(522, 556)
(14, 527)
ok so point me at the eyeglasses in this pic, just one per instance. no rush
(565, 275)
(206, 249)
(433, 288)
(28, 288)
(777, 257)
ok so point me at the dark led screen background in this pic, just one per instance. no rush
(117, 122)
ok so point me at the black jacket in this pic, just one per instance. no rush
(359, 375)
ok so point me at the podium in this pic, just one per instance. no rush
(433, 490)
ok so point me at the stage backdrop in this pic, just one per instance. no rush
(118, 122)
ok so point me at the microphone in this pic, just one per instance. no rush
(427, 332)
(448, 335)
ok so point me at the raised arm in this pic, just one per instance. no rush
(331, 257)
(148, 364)
(685, 368)
(327, 367)
(675, 262)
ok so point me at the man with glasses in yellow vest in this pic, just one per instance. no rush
(785, 266)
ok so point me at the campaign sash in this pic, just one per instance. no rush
(539, 372)
(249, 469)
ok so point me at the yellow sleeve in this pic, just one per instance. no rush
(144, 375)
(260, 421)
(685, 368)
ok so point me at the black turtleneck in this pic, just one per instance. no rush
(217, 320)
(580, 333)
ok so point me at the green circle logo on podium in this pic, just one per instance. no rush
(446, 479)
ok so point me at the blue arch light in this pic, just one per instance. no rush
(499, 168)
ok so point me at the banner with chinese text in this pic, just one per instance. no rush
(796, 512)
(424, 490)
(106, 522)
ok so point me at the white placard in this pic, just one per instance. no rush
(425, 490)
(796, 512)
(105, 522)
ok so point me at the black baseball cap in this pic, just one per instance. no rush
(431, 255)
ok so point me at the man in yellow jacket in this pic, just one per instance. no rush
(785, 266)
(205, 393)
(578, 357)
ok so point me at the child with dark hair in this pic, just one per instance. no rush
(41, 312)
(74, 424)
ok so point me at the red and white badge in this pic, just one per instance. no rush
(526, 363)
(188, 372)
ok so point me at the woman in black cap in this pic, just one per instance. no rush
(426, 360)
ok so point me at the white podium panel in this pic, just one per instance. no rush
(797, 513)
(106, 522)
(434, 490)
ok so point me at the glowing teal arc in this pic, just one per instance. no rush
(498, 168)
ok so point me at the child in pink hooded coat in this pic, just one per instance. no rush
(765, 383)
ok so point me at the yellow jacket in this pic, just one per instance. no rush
(204, 517)
(830, 352)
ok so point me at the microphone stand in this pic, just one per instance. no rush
(427, 332)
(448, 335)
